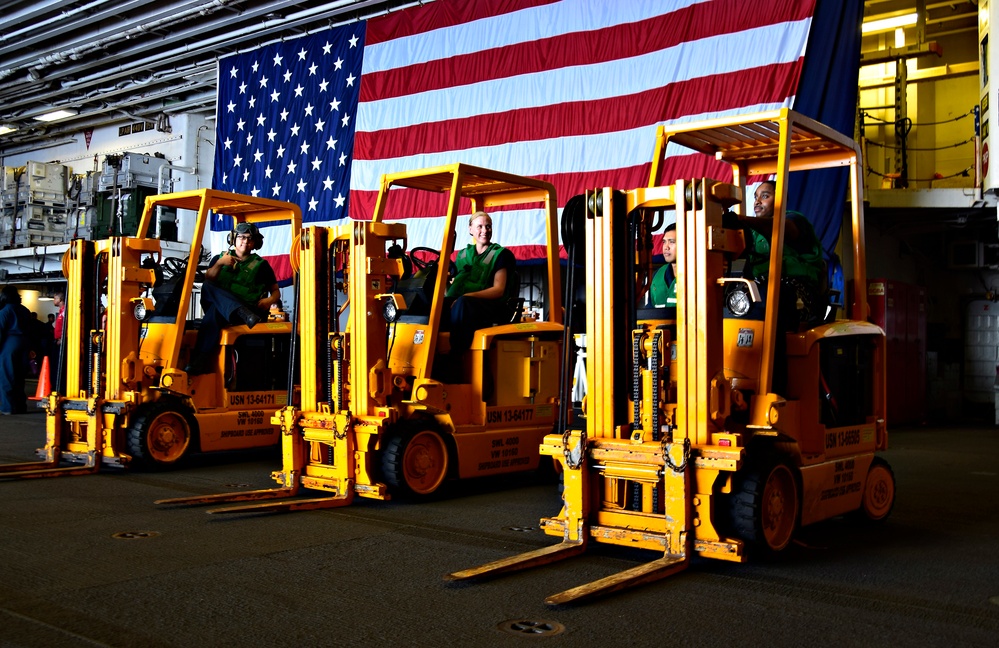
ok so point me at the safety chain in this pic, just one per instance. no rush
(965, 172)
(867, 115)
(920, 148)
(341, 435)
(567, 453)
(668, 460)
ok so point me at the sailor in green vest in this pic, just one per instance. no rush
(239, 288)
(479, 290)
(663, 289)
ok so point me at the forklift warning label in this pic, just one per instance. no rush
(745, 338)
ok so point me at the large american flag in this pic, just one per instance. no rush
(569, 91)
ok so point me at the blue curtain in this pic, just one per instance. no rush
(828, 93)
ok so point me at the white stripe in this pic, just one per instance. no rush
(510, 227)
(524, 26)
(580, 154)
(773, 44)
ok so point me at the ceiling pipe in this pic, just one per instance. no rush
(61, 29)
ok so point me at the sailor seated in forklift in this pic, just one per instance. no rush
(240, 287)
(478, 295)
(662, 292)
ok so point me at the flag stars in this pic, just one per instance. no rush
(335, 104)
(279, 151)
(275, 96)
(234, 72)
(301, 186)
(242, 88)
(316, 163)
(327, 48)
(338, 63)
(227, 143)
(255, 66)
(261, 119)
(345, 120)
(299, 90)
(343, 159)
(320, 125)
(308, 110)
(294, 130)
(302, 54)
(278, 59)
(268, 171)
(276, 190)
(313, 203)
(231, 107)
(328, 184)
(350, 80)
(240, 124)
(312, 69)
(249, 139)
(292, 167)
(237, 161)
(287, 76)
(284, 114)
(353, 41)
(323, 85)
(263, 82)
(254, 192)
(330, 143)
(339, 200)
(246, 175)
(257, 155)
(271, 135)
(252, 102)
(304, 148)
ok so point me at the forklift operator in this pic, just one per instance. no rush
(239, 288)
(480, 287)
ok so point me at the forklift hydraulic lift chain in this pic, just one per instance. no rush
(668, 460)
(567, 452)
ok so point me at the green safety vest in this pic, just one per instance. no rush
(241, 279)
(796, 264)
(662, 294)
(474, 270)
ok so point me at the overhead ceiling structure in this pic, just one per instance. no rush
(108, 62)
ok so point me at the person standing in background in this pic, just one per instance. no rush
(15, 331)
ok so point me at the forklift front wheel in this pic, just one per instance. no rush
(159, 437)
(415, 463)
(764, 505)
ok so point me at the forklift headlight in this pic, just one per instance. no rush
(394, 305)
(738, 301)
(390, 311)
(142, 309)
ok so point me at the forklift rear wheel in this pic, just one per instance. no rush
(160, 436)
(879, 492)
(416, 463)
(764, 506)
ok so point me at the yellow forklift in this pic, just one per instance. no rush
(380, 411)
(686, 448)
(127, 399)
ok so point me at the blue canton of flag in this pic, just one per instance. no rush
(285, 122)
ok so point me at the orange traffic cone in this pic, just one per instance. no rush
(44, 383)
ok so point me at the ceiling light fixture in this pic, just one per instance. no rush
(57, 114)
(890, 23)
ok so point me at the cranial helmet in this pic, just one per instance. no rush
(246, 228)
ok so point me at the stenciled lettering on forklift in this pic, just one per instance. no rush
(256, 417)
(843, 477)
(843, 438)
(252, 399)
(501, 415)
(504, 453)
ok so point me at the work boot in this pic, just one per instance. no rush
(249, 317)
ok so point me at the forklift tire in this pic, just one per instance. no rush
(415, 463)
(764, 505)
(160, 435)
(879, 493)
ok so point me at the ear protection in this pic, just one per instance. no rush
(246, 228)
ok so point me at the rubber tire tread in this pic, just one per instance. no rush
(745, 504)
(135, 438)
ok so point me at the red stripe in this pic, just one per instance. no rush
(411, 203)
(699, 21)
(719, 92)
(438, 15)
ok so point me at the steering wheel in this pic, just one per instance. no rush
(423, 264)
